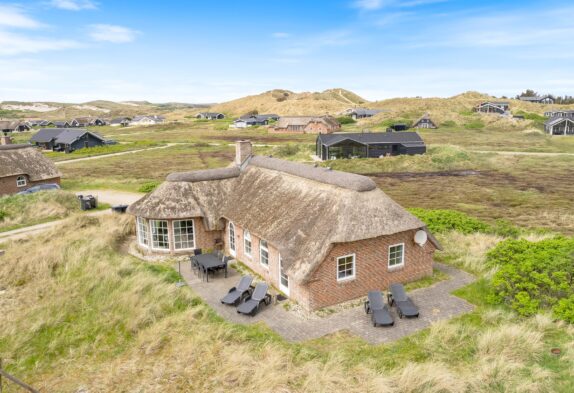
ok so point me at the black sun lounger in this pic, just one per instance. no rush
(251, 305)
(380, 314)
(236, 294)
(404, 304)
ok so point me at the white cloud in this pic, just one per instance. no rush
(112, 33)
(15, 17)
(74, 5)
(15, 44)
(281, 34)
(371, 5)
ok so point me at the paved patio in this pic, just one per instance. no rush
(435, 303)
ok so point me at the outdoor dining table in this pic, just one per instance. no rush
(210, 262)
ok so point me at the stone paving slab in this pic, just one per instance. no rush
(435, 304)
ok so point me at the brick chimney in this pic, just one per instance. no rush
(5, 139)
(243, 151)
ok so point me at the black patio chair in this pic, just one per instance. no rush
(197, 251)
(380, 313)
(238, 293)
(405, 306)
(252, 303)
(195, 267)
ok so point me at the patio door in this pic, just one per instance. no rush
(283, 278)
(232, 238)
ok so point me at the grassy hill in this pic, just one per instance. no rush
(285, 102)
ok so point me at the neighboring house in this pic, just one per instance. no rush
(320, 236)
(368, 145)
(559, 114)
(560, 125)
(146, 120)
(306, 124)
(45, 123)
(87, 121)
(210, 115)
(538, 99)
(361, 113)
(120, 122)
(425, 122)
(23, 166)
(66, 139)
(14, 126)
(61, 124)
(254, 120)
(492, 107)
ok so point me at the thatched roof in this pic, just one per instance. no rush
(26, 160)
(299, 209)
(286, 121)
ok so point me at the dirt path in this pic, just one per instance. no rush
(113, 154)
(523, 153)
(108, 196)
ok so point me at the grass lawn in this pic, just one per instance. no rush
(99, 319)
(101, 150)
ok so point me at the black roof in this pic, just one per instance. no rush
(61, 135)
(371, 138)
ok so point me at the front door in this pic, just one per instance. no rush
(283, 278)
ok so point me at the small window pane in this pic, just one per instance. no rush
(346, 267)
(183, 237)
(247, 244)
(20, 181)
(396, 255)
(143, 231)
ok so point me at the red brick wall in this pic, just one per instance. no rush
(8, 184)
(371, 269)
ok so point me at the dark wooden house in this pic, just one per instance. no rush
(368, 145)
(66, 139)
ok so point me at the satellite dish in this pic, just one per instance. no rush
(421, 238)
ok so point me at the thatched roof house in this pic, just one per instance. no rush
(425, 122)
(13, 126)
(306, 124)
(305, 229)
(23, 166)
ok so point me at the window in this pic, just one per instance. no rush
(183, 235)
(232, 238)
(143, 232)
(159, 235)
(247, 243)
(346, 267)
(263, 253)
(20, 181)
(283, 278)
(396, 255)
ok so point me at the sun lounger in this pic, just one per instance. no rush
(380, 313)
(404, 304)
(251, 305)
(236, 294)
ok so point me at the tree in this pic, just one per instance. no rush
(528, 93)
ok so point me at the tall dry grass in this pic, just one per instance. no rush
(81, 316)
(468, 251)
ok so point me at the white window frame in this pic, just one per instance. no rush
(247, 238)
(231, 232)
(21, 181)
(143, 224)
(352, 277)
(152, 235)
(402, 256)
(174, 235)
(261, 248)
(283, 288)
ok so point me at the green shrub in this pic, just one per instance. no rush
(535, 275)
(467, 112)
(288, 150)
(149, 186)
(3, 214)
(474, 125)
(346, 120)
(442, 220)
(448, 123)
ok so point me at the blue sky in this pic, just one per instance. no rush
(80, 50)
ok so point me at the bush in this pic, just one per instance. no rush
(448, 123)
(346, 120)
(532, 276)
(474, 125)
(441, 220)
(288, 150)
(149, 186)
